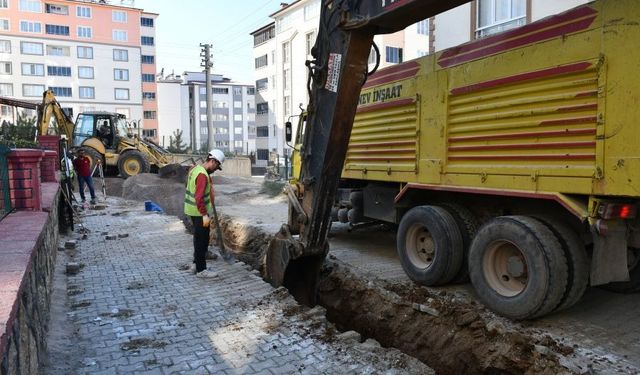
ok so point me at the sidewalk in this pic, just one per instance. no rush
(136, 311)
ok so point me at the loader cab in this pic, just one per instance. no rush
(108, 127)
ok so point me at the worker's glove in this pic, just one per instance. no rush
(205, 221)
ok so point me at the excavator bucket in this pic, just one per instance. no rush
(287, 265)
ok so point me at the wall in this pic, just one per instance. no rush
(26, 275)
(232, 166)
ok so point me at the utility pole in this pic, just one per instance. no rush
(205, 53)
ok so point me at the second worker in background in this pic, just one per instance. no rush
(198, 202)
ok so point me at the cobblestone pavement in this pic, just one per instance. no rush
(134, 310)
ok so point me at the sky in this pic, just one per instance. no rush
(226, 24)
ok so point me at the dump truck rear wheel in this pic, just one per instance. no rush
(132, 163)
(577, 260)
(518, 267)
(468, 225)
(429, 245)
(633, 285)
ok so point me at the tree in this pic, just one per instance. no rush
(176, 145)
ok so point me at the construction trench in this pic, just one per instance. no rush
(444, 328)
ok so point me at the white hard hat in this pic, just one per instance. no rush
(217, 155)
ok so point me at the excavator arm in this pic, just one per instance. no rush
(51, 108)
(337, 73)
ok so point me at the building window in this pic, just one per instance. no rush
(149, 115)
(237, 131)
(83, 12)
(87, 92)
(57, 30)
(144, 21)
(394, 55)
(148, 59)
(4, 4)
(251, 90)
(121, 74)
(85, 72)
(5, 67)
(122, 94)
(261, 61)
(4, 24)
(120, 35)
(5, 110)
(6, 89)
(149, 133)
(222, 131)
(263, 36)
(220, 117)
(5, 46)
(68, 111)
(495, 16)
(58, 50)
(219, 90)
(312, 10)
(238, 144)
(149, 96)
(286, 105)
(85, 52)
(32, 69)
(147, 40)
(237, 117)
(84, 32)
(218, 104)
(285, 79)
(309, 41)
(61, 91)
(56, 9)
(262, 131)
(119, 16)
(30, 27)
(285, 53)
(237, 91)
(124, 111)
(262, 108)
(237, 104)
(30, 48)
(148, 77)
(31, 6)
(120, 55)
(61, 71)
(262, 84)
(262, 154)
(423, 27)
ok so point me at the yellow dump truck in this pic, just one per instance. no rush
(513, 159)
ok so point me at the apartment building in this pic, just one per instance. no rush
(281, 48)
(234, 113)
(280, 51)
(94, 55)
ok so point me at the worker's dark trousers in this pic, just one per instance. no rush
(89, 181)
(200, 243)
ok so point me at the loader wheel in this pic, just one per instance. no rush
(93, 156)
(468, 225)
(429, 245)
(132, 163)
(633, 285)
(518, 267)
(577, 260)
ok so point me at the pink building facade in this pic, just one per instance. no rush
(94, 56)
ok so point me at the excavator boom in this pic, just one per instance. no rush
(337, 73)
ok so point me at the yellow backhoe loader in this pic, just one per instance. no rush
(104, 136)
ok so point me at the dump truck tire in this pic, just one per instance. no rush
(131, 163)
(429, 244)
(518, 267)
(93, 155)
(468, 225)
(578, 266)
(633, 285)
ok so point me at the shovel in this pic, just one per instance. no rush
(223, 251)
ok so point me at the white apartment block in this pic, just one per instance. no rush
(183, 105)
(93, 55)
(281, 48)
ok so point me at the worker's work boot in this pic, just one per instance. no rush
(93, 201)
(206, 274)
